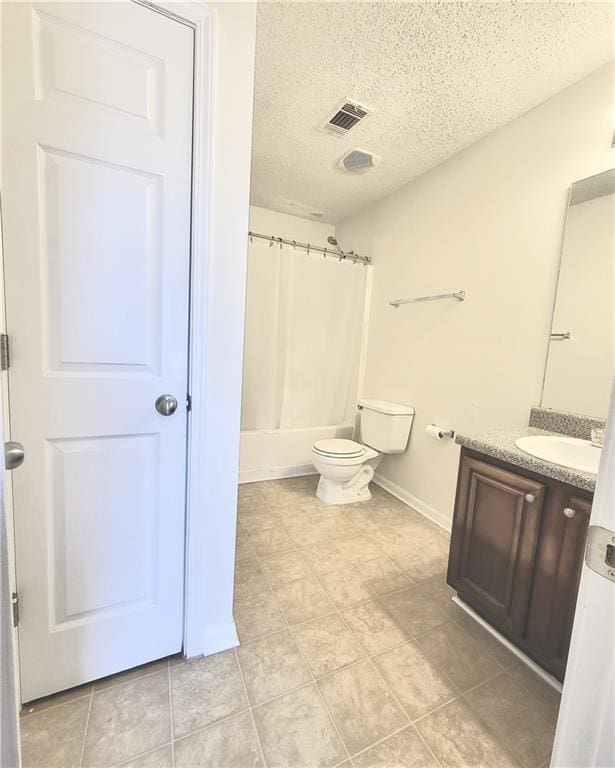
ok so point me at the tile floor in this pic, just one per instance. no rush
(352, 654)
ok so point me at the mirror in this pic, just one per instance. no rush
(581, 356)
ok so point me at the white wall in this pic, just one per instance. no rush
(580, 369)
(489, 221)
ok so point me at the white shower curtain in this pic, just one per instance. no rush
(304, 318)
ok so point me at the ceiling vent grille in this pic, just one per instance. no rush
(345, 116)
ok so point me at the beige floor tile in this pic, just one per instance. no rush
(249, 490)
(439, 591)
(405, 749)
(296, 731)
(243, 548)
(414, 611)
(229, 744)
(72, 694)
(270, 541)
(414, 678)
(537, 686)
(303, 600)
(361, 705)
(429, 556)
(206, 690)
(159, 758)
(260, 520)
(257, 615)
(249, 578)
(346, 587)
(53, 737)
(359, 549)
(327, 644)
(523, 722)
(374, 627)
(127, 720)
(271, 666)
(382, 575)
(251, 508)
(324, 558)
(487, 641)
(458, 656)
(131, 674)
(460, 739)
(285, 567)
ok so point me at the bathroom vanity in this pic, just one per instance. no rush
(516, 553)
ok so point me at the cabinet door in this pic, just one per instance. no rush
(494, 540)
(556, 579)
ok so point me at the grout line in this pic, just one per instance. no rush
(25, 715)
(171, 719)
(250, 707)
(307, 666)
(141, 754)
(85, 730)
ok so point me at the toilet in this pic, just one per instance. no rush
(347, 467)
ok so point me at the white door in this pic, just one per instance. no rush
(585, 735)
(96, 204)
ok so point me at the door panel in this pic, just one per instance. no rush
(494, 540)
(96, 196)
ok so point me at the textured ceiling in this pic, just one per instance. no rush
(439, 76)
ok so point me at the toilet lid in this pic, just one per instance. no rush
(337, 446)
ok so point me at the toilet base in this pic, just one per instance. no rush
(334, 492)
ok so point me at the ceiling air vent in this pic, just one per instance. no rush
(346, 115)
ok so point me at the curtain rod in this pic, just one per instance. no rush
(280, 241)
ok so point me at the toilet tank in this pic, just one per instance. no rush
(385, 426)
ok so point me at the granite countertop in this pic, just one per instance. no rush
(501, 445)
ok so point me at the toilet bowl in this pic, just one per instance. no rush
(346, 467)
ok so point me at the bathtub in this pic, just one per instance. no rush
(268, 454)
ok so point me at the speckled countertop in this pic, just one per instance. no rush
(501, 445)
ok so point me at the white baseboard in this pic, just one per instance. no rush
(512, 648)
(437, 517)
(220, 638)
(275, 473)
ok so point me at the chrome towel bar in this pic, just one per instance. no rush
(459, 295)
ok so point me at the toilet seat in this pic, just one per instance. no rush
(340, 448)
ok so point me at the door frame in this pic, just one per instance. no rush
(224, 39)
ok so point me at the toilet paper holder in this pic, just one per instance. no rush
(438, 432)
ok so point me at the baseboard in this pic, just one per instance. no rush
(507, 644)
(275, 473)
(220, 638)
(437, 517)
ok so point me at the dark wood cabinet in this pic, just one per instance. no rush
(516, 554)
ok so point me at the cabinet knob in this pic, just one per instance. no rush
(529, 497)
(569, 512)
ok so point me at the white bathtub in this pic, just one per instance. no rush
(268, 454)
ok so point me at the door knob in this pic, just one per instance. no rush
(529, 497)
(166, 405)
(13, 455)
(569, 512)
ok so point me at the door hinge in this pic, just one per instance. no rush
(15, 604)
(4, 352)
(188, 402)
(600, 552)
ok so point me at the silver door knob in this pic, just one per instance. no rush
(14, 455)
(529, 497)
(166, 405)
(569, 512)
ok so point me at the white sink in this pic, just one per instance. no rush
(566, 451)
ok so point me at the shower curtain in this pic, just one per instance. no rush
(304, 317)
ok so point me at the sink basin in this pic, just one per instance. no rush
(566, 451)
